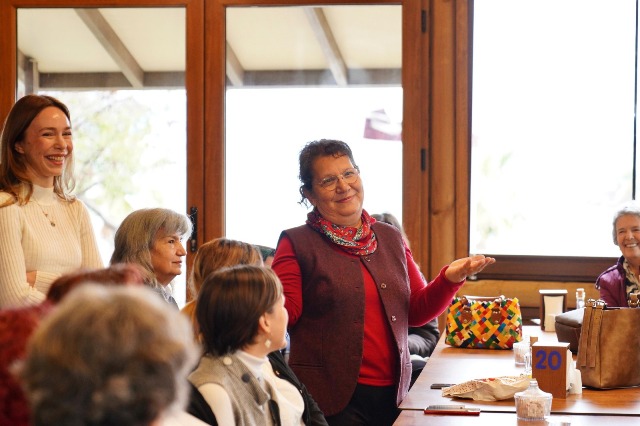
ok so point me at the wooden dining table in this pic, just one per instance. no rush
(417, 418)
(457, 365)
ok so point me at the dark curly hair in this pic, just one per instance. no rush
(313, 150)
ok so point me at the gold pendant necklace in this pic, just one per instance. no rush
(44, 213)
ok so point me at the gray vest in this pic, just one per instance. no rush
(248, 399)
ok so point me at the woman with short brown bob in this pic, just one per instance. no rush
(242, 375)
(45, 231)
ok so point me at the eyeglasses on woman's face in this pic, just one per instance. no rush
(330, 183)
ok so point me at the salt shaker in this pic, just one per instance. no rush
(579, 298)
(533, 403)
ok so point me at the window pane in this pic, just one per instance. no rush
(129, 144)
(552, 125)
(288, 97)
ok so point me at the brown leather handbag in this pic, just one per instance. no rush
(569, 326)
(609, 348)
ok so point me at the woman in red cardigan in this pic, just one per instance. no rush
(352, 290)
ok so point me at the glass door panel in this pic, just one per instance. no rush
(297, 74)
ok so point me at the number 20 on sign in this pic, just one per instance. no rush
(549, 367)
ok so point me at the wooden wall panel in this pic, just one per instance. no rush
(415, 77)
(462, 120)
(8, 57)
(214, 89)
(442, 136)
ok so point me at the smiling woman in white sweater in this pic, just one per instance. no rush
(45, 232)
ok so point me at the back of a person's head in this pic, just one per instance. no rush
(266, 252)
(108, 356)
(219, 253)
(390, 219)
(231, 302)
(387, 218)
(17, 326)
(117, 274)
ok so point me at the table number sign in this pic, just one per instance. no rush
(549, 367)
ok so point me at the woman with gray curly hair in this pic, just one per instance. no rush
(110, 356)
(152, 238)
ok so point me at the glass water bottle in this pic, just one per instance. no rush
(579, 298)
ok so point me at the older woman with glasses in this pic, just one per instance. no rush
(352, 289)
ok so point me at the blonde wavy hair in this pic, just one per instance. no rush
(211, 257)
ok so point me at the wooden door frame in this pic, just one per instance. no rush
(194, 75)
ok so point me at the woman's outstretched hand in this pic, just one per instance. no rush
(460, 269)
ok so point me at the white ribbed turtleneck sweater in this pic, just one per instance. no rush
(28, 242)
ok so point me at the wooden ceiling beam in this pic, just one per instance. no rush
(109, 81)
(108, 38)
(235, 72)
(323, 33)
(175, 79)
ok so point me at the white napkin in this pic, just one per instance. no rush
(574, 377)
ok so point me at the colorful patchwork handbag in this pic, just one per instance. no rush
(484, 322)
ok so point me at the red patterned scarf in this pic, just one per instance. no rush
(358, 241)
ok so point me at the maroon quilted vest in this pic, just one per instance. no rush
(326, 342)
